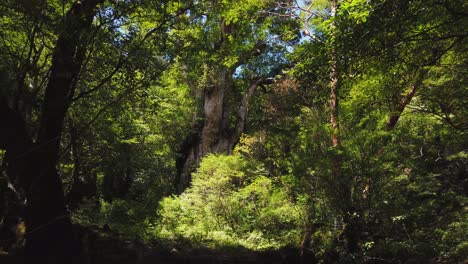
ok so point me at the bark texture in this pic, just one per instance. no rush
(216, 135)
(49, 235)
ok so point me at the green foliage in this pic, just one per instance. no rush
(124, 218)
(232, 202)
(454, 240)
(140, 93)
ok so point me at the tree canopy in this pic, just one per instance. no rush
(332, 129)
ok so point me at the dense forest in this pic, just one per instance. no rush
(233, 131)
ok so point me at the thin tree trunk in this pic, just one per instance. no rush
(350, 229)
(335, 138)
(84, 184)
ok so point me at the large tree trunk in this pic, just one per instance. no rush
(49, 234)
(49, 237)
(215, 135)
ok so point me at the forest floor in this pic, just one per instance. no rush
(129, 253)
(99, 248)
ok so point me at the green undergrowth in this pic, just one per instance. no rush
(232, 202)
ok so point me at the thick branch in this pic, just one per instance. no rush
(405, 100)
(244, 109)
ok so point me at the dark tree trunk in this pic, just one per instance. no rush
(118, 179)
(49, 237)
(49, 234)
(84, 184)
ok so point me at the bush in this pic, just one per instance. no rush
(231, 203)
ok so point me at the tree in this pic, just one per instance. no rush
(60, 68)
(232, 202)
(352, 40)
(33, 163)
(352, 134)
(235, 39)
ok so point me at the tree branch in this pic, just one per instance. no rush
(405, 100)
(244, 109)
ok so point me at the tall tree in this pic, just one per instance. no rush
(234, 36)
(321, 24)
(49, 233)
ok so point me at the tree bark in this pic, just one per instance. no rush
(350, 230)
(405, 100)
(216, 136)
(244, 110)
(334, 127)
(213, 136)
(49, 235)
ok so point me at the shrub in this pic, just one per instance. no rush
(232, 202)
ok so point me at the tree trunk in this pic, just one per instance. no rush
(84, 184)
(350, 230)
(405, 100)
(49, 236)
(215, 135)
(334, 127)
